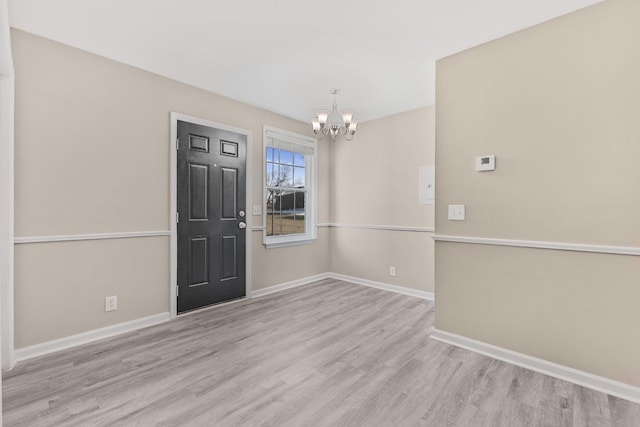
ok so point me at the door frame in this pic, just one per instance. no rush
(173, 189)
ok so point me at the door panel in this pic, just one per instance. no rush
(211, 197)
(228, 266)
(229, 193)
(198, 192)
(200, 143)
(198, 260)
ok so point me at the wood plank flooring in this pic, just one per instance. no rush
(329, 354)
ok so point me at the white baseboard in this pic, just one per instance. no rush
(89, 336)
(110, 331)
(372, 284)
(595, 382)
(387, 287)
(288, 285)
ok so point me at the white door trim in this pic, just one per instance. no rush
(7, 91)
(173, 167)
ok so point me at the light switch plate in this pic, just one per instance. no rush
(257, 210)
(456, 212)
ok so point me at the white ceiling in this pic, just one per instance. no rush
(285, 55)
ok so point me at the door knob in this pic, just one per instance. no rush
(242, 224)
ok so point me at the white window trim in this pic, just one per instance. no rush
(311, 200)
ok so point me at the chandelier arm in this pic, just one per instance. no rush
(320, 138)
(324, 131)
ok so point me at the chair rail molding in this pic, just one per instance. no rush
(96, 236)
(535, 244)
(415, 229)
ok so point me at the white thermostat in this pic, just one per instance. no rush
(486, 163)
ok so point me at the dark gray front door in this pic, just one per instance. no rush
(211, 216)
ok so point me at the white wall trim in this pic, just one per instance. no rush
(377, 227)
(594, 382)
(384, 286)
(173, 200)
(258, 228)
(98, 236)
(576, 247)
(289, 285)
(121, 328)
(7, 99)
(89, 336)
(380, 227)
(358, 281)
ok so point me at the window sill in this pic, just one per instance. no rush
(285, 243)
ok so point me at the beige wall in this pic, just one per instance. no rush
(573, 308)
(375, 183)
(368, 253)
(92, 156)
(60, 287)
(558, 106)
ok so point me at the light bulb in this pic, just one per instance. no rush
(315, 122)
(322, 116)
(352, 126)
(347, 116)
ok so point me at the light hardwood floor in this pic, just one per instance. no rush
(329, 354)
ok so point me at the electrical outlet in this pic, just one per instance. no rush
(111, 303)
(392, 271)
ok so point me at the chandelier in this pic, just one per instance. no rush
(331, 123)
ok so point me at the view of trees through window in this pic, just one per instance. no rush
(286, 192)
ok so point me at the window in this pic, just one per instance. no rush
(289, 189)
